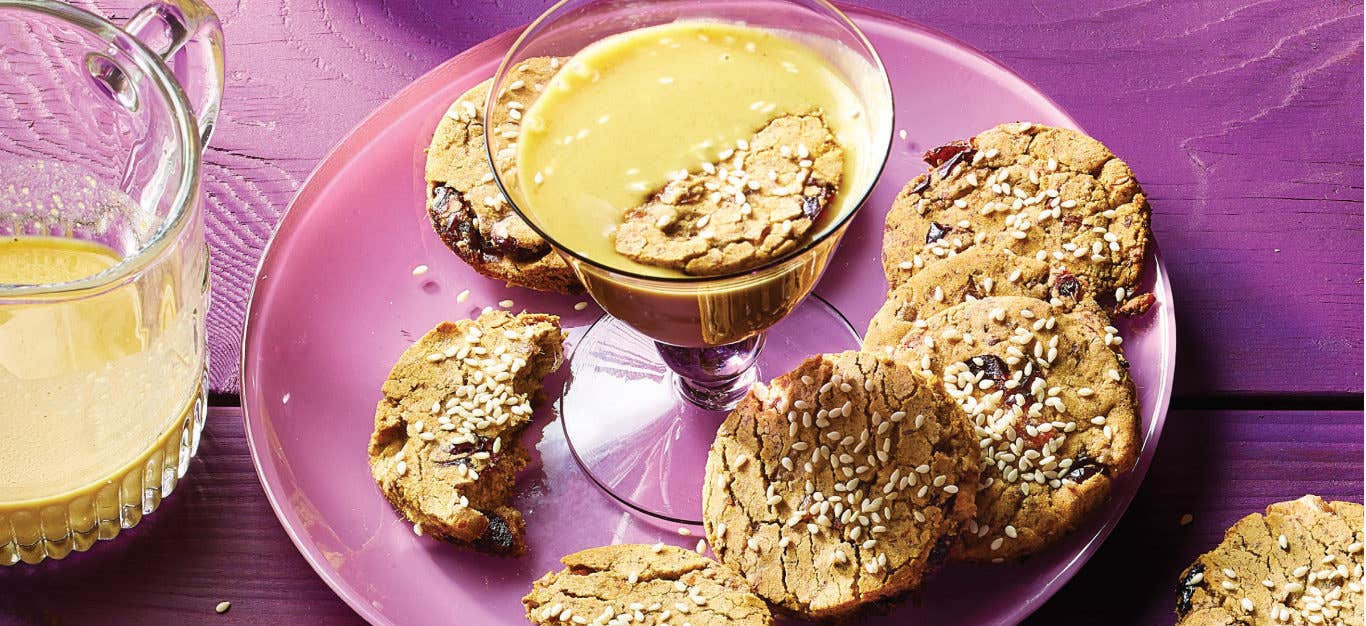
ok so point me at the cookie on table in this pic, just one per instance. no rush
(1300, 563)
(841, 483)
(977, 273)
(1052, 406)
(640, 584)
(1049, 193)
(754, 204)
(465, 205)
(447, 443)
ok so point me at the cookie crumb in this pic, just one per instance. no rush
(222, 607)
(1186, 519)
(420, 270)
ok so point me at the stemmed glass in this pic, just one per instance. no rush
(651, 380)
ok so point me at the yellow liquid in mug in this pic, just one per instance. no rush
(628, 111)
(89, 388)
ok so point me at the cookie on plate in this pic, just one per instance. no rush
(1049, 193)
(977, 273)
(465, 205)
(639, 584)
(1052, 405)
(1300, 563)
(754, 204)
(447, 443)
(841, 483)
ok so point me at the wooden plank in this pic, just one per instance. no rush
(1243, 120)
(217, 539)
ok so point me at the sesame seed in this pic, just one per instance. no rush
(1284, 543)
(684, 531)
(1247, 604)
(507, 304)
(1186, 519)
(222, 607)
(701, 546)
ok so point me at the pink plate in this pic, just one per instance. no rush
(335, 302)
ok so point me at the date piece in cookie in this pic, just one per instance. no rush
(1052, 405)
(754, 204)
(466, 207)
(639, 584)
(975, 274)
(447, 443)
(1053, 194)
(841, 483)
(1300, 563)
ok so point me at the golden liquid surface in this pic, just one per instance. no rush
(86, 385)
(628, 111)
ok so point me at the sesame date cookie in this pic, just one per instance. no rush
(465, 205)
(640, 584)
(446, 448)
(1300, 563)
(754, 204)
(841, 483)
(977, 273)
(1050, 193)
(1053, 409)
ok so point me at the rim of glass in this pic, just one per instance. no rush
(835, 226)
(186, 132)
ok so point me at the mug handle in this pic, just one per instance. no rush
(169, 26)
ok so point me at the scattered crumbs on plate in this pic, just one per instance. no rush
(1277, 250)
(1186, 519)
(284, 399)
(580, 306)
(463, 296)
(902, 134)
(222, 607)
(420, 270)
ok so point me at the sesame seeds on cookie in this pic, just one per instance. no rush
(841, 483)
(446, 447)
(1050, 193)
(1052, 407)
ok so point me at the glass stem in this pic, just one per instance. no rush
(714, 378)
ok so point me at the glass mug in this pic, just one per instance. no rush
(103, 265)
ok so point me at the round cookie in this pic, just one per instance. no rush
(841, 483)
(1301, 563)
(447, 443)
(1052, 405)
(756, 203)
(1049, 193)
(465, 205)
(639, 584)
(977, 273)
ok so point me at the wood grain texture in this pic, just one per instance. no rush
(1243, 120)
(216, 539)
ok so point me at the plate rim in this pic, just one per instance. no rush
(322, 173)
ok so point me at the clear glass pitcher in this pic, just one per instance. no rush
(103, 265)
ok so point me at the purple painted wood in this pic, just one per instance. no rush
(215, 539)
(1243, 120)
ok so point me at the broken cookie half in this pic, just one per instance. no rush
(447, 443)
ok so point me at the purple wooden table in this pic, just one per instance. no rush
(1243, 120)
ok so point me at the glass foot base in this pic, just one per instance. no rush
(634, 434)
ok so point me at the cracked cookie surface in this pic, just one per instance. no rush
(1052, 406)
(839, 484)
(1300, 563)
(1050, 193)
(464, 203)
(754, 204)
(447, 443)
(641, 584)
(975, 274)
